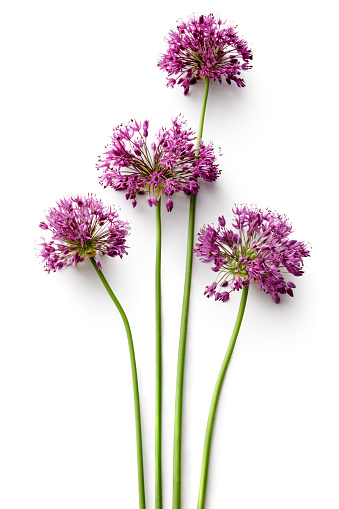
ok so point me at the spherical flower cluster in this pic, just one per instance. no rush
(205, 47)
(81, 227)
(257, 251)
(170, 165)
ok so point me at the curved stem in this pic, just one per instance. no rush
(158, 361)
(202, 114)
(183, 330)
(141, 485)
(215, 398)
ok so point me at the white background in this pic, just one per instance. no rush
(71, 71)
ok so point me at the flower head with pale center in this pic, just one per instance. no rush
(169, 165)
(205, 47)
(260, 250)
(81, 227)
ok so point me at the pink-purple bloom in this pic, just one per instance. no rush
(205, 46)
(257, 251)
(81, 227)
(169, 165)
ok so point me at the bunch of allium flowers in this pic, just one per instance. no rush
(81, 227)
(169, 165)
(205, 47)
(259, 251)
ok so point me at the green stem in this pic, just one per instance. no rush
(202, 114)
(158, 360)
(183, 331)
(142, 503)
(215, 398)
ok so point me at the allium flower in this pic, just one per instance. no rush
(170, 165)
(81, 227)
(205, 47)
(257, 252)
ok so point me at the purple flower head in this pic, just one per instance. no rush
(81, 227)
(169, 166)
(257, 251)
(205, 47)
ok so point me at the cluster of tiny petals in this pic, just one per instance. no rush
(205, 47)
(259, 250)
(167, 166)
(81, 227)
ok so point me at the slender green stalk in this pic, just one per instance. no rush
(141, 485)
(202, 114)
(158, 361)
(183, 331)
(215, 398)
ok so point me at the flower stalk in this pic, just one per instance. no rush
(215, 399)
(183, 329)
(158, 361)
(141, 485)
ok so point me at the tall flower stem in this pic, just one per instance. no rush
(158, 360)
(183, 331)
(141, 485)
(215, 399)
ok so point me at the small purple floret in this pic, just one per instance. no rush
(82, 227)
(258, 253)
(205, 47)
(169, 205)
